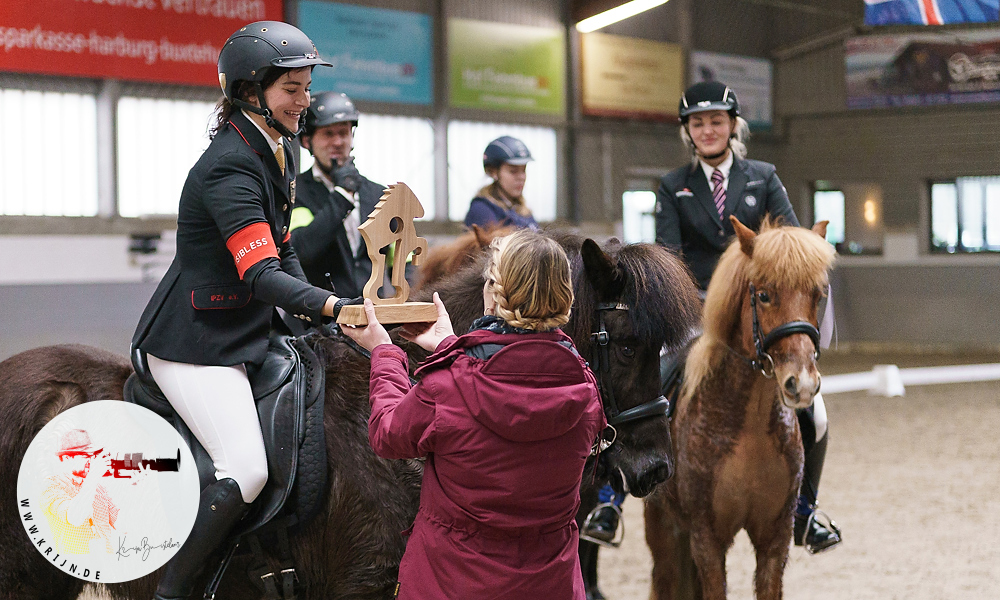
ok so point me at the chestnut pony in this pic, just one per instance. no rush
(445, 259)
(736, 440)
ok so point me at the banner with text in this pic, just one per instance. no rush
(377, 54)
(749, 77)
(507, 67)
(923, 69)
(171, 41)
(630, 77)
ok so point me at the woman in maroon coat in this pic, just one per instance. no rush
(506, 416)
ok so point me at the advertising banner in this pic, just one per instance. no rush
(506, 67)
(630, 77)
(930, 12)
(749, 77)
(923, 69)
(171, 41)
(377, 54)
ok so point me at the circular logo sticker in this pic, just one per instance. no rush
(107, 491)
(751, 201)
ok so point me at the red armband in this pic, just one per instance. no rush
(251, 245)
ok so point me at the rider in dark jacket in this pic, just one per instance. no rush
(333, 200)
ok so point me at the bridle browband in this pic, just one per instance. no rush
(762, 343)
(600, 364)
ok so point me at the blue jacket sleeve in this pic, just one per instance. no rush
(483, 213)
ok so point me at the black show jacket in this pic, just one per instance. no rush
(687, 220)
(233, 261)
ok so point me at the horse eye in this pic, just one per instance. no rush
(629, 352)
(763, 297)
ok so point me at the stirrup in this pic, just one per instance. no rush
(825, 521)
(616, 541)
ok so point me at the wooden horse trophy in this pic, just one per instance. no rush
(391, 222)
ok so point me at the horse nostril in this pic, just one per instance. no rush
(790, 386)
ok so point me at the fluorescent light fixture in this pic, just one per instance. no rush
(618, 13)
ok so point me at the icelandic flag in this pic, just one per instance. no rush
(931, 12)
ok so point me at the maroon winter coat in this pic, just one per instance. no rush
(506, 440)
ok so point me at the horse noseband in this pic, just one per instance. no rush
(601, 365)
(762, 343)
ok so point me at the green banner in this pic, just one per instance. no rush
(507, 67)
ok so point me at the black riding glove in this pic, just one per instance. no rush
(347, 176)
(339, 304)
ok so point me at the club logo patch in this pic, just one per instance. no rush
(751, 201)
(107, 491)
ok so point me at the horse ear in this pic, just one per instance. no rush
(599, 268)
(480, 236)
(820, 228)
(745, 234)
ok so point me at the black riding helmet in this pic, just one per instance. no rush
(328, 108)
(706, 96)
(257, 47)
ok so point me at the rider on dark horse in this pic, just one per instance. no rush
(693, 206)
(212, 312)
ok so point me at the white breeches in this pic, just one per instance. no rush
(217, 405)
(819, 416)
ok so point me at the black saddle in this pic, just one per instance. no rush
(672, 373)
(288, 389)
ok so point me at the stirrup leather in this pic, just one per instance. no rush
(616, 541)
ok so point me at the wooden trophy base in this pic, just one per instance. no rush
(407, 312)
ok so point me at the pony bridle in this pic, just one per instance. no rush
(600, 364)
(762, 343)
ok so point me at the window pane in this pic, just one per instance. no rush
(388, 150)
(970, 195)
(993, 215)
(48, 163)
(159, 140)
(466, 142)
(829, 206)
(944, 216)
(638, 223)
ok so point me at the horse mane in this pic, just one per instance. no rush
(784, 257)
(445, 259)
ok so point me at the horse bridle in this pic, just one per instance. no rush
(762, 343)
(600, 364)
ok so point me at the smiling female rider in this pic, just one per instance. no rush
(211, 313)
(693, 206)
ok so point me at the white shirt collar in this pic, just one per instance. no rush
(321, 177)
(725, 166)
(267, 136)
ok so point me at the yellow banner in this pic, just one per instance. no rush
(630, 77)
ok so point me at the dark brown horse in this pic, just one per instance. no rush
(736, 439)
(445, 259)
(353, 547)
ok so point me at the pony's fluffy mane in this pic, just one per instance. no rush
(783, 257)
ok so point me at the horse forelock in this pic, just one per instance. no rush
(662, 300)
(791, 258)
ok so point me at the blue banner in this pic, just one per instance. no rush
(931, 12)
(377, 54)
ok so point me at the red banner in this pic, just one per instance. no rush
(171, 41)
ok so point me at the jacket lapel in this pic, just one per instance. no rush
(698, 185)
(256, 140)
(737, 185)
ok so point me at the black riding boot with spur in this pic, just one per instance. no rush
(813, 528)
(221, 507)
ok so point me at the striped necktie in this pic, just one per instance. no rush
(719, 193)
(279, 155)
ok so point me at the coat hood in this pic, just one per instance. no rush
(533, 389)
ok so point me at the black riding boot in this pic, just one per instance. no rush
(588, 564)
(221, 507)
(813, 529)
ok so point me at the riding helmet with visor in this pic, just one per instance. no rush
(328, 108)
(250, 52)
(506, 149)
(706, 96)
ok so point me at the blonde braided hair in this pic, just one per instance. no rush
(529, 277)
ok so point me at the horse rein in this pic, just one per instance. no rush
(601, 366)
(762, 343)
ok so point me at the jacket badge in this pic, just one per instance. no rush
(685, 192)
(751, 201)
(291, 191)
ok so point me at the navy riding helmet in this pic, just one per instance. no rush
(506, 149)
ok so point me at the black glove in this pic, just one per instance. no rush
(347, 176)
(339, 304)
